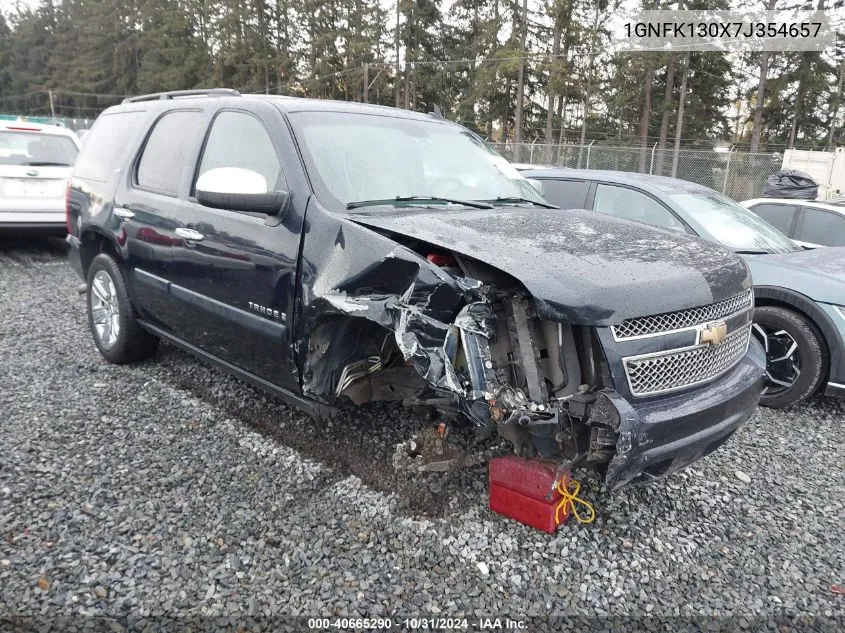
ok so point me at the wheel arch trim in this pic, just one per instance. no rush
(95, 233)
(775, 296)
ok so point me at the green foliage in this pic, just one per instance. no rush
(461, 55)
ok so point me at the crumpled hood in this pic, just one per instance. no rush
(818, 273)
(581, 267)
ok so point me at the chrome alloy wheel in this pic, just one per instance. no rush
(783, 360)
(104, 309)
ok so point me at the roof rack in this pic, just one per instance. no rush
(207, 92)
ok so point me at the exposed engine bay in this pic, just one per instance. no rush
(536, 383)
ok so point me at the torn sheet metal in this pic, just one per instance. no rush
(436, 319)
(368, 278)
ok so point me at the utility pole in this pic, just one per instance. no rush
(52, 105)
(588, 91)
(409, 29)
(737, 136)
(550, 89)
(396, 38)
(679, 125)
(366, 82)
(644, 122)
(757, 130)
(834, 108)
(520, 92)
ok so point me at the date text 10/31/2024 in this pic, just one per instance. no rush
(436, 624)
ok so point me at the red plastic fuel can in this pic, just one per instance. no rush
(523, 489)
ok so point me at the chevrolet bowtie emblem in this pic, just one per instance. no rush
(713, 333)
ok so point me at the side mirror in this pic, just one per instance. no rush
(239, 190)
(538, 185)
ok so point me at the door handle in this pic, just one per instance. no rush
(189, 234)
(126, 214)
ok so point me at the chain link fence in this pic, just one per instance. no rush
(738, 175)
(68, 122)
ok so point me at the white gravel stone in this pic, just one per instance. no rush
(743, 477)
(172, 484)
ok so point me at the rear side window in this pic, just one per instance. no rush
(622, 202)
(779, 216)
(822, 227)
(36, 149)
(167, 151)
(566, 194)
(106, 144)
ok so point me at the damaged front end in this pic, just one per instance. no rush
(578, 338)
(434, 329)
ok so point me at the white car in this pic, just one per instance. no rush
(810, 223)
(35, 164)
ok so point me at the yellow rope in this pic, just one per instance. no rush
(571, 498)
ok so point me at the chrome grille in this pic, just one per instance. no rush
(678, 369)
(682, 319)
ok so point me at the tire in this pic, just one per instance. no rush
(116, 332)
(783, 331)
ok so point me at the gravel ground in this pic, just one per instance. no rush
(168, 489)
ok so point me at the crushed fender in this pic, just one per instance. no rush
(471, 346)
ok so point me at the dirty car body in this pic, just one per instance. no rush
(788, 278)
(422, 268)
(559, 344)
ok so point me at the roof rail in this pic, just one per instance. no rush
(205, 92)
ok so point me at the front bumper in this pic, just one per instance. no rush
(660, 435)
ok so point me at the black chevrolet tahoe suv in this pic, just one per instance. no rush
(326, 251)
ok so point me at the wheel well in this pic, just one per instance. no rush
(760, 302)
(92, 244)
(333, 343)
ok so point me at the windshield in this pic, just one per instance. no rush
(354, 157)
(734, 226)
(36, 148)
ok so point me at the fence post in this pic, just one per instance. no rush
(727, 172)
(651, 166)
(531, 155)
(589, 147)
